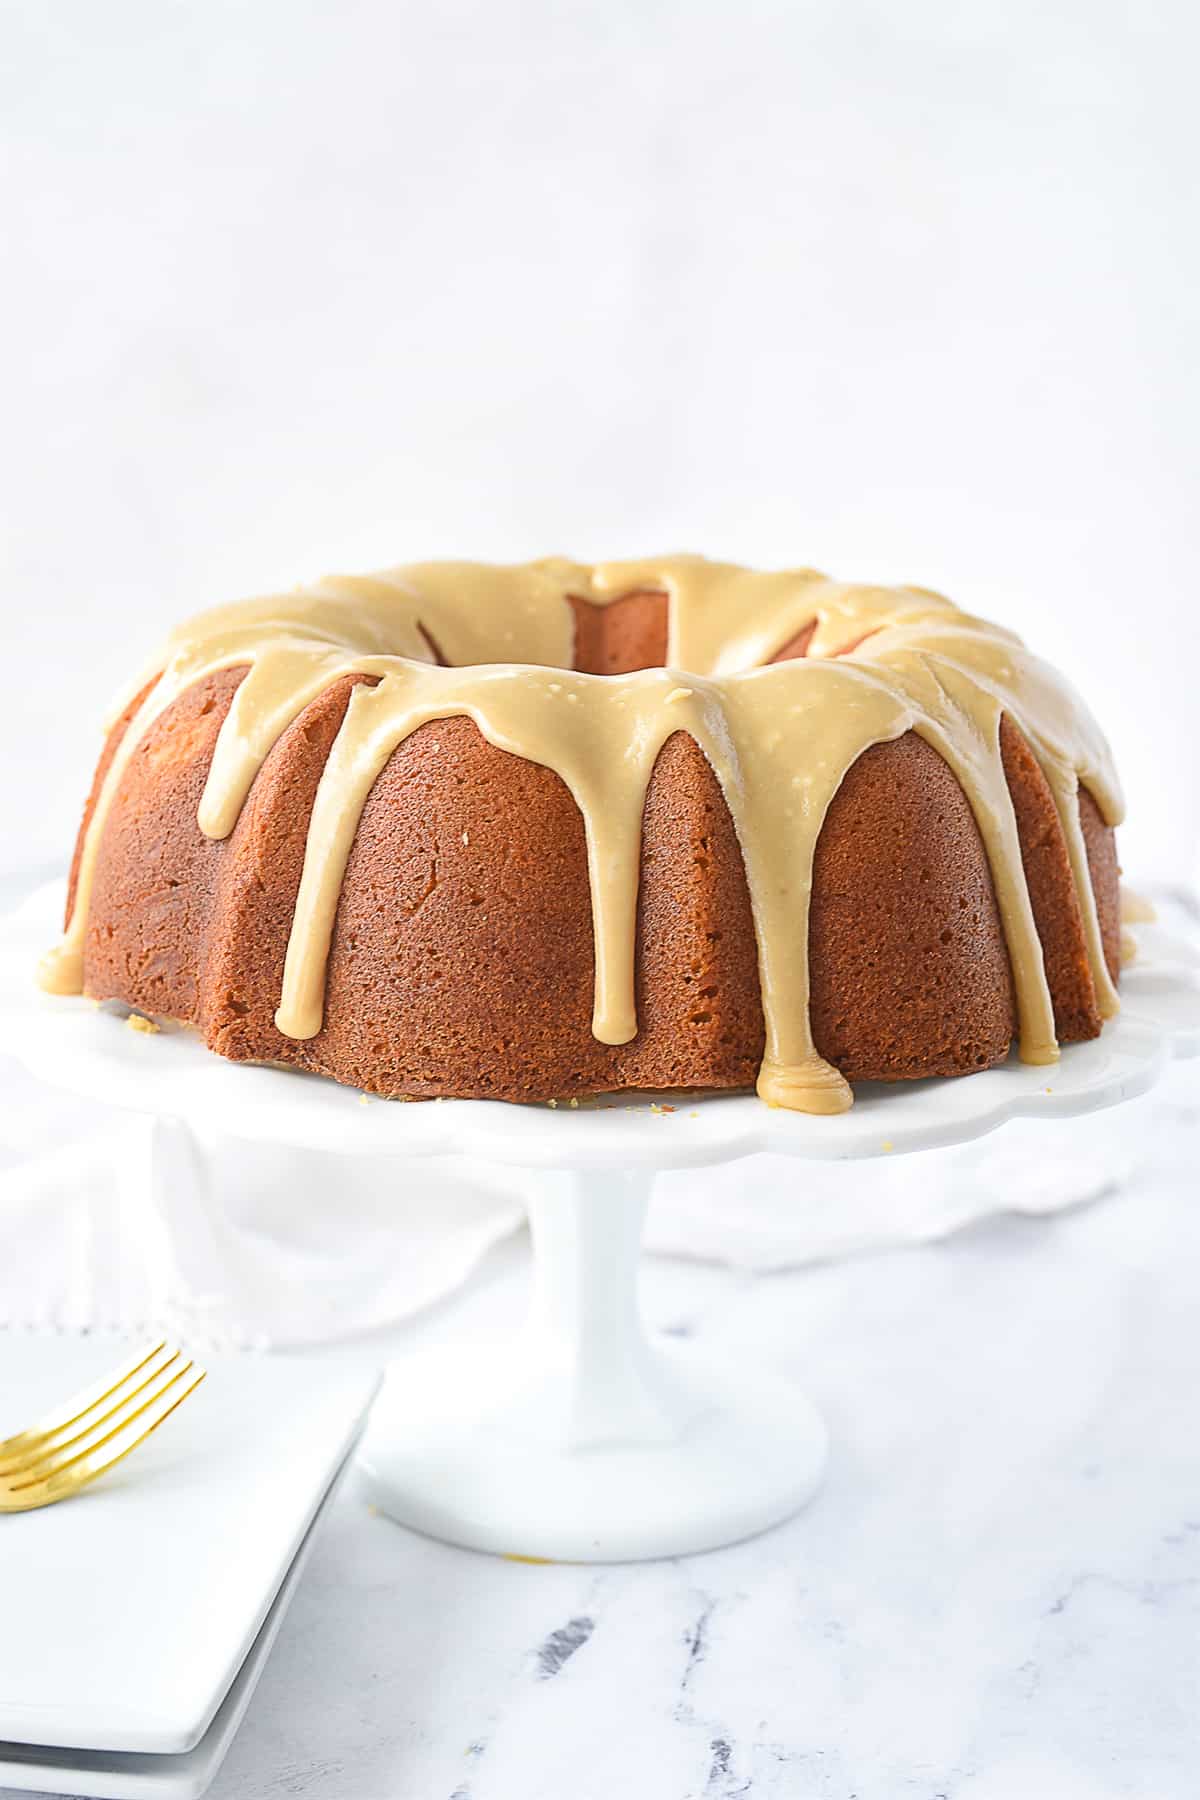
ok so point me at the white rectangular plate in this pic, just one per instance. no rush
(127, 1612)
(118, 1775)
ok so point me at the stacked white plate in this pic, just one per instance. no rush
(136, 1620)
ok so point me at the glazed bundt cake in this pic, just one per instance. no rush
(548, 831)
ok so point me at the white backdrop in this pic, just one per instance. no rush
(905, 292)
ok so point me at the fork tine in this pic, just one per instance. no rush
(38, 1446)
(83, 1470)
(54, 1460)
(80, 1403)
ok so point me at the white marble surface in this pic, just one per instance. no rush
(995, 1597)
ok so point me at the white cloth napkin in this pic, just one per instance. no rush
(128, 1221)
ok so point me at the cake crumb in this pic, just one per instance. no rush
(466, 837)
(139, 1022)
(573, 1104)
(364, 1099)
(693, 1115)
(887, 1144)
(552, 1103)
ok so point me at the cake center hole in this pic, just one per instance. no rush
(624, 635)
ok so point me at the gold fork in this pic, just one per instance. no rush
(94, 1429)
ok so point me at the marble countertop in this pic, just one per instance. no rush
(995, 1595)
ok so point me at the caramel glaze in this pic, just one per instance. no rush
(785, 681)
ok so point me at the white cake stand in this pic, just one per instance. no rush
(586, 1440)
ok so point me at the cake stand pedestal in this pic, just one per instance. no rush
(587, 1440)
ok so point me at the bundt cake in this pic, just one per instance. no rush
(547, 831)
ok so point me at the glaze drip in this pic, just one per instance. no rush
(496, 644)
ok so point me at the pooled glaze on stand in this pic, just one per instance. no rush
(779, 736)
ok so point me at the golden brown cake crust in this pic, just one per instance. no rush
(462, 959)
(466, 967)
(255, 892)
(1051, 891)
(152, 894)
(910, 973)
(109, 750)
(1101, 843)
